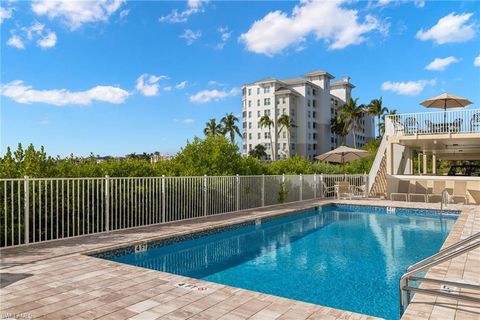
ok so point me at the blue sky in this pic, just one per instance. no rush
(116, 77)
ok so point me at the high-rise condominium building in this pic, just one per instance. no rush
(310, 102)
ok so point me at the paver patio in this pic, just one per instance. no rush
(56, 280)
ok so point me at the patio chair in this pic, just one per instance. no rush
(436, 194)
(429, 126)
(459, 192)
(456, 125)
(402, 194)
(420, 192)
(411, 125)
(475, 123)
(342, 189)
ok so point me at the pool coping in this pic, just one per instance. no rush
(225, 220)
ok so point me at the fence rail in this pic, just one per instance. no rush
(459, 121)
(42, 209)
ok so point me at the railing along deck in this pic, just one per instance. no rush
(441, 122)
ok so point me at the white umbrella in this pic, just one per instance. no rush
(342, 155)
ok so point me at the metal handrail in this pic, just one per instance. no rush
(444, 251)
(445, 199)
(431, 262)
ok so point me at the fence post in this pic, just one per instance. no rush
(263, 190)
(314, 186)
(107, 203)
(163, 198)
(205, 195)
(322, 195)
(301, 187)
(26, 210)
(366, 182)
(238, 192)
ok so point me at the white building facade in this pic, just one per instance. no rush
(310, 102)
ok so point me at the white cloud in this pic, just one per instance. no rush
(148, 84)
(449, 29)
(326, 20)
(215, 83)
(181, 85)
(75, 13)
(5, 13)
(382, 3)
(476, 61)
(45, 38)
(47, 41)
(123, 14)
(184, 121)
(193, 6)
(191, 36)
(21, 93)
(224, 36)
(206, 96)
(167, 88)
(409, 88)
(440, 64)
(16, 41)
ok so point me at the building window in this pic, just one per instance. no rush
(266, 101)
(309, 103)
(249, 114)
(249, 136)
(309, 147)
(249, 103)
(309, 114)
(314, 92)
(266, 89)
(258, 103)
(308, 125)
(249, 91)
(314, 147)
(314, 125)
(284, 111)
(259, 136)
(309, 136)
(259, 113)
(266, 135)
(249, 125)
(314, 136)
(314, 114)
(293, 146)
(314, 103)
(308, 90)
(250, 147)
(258, 90)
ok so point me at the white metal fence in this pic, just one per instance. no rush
(42, 209)
(459, 121)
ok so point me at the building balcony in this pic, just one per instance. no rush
(434, 123)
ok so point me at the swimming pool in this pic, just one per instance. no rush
(341, 256)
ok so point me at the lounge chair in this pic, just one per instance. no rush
(342, 189)
(459, 192)
(475, 123)
(436, 194)
(403, 187)
(420, 193)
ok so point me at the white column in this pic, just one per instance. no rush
(424, 163)
(434, 164)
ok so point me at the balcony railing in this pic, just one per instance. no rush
(37, 210)
(425, 123)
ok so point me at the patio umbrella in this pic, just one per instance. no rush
(342, 155)
(446, 101)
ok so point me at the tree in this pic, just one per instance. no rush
(258, 152)
(376, 109)
(265, 121)
(212, 128)
(286, 123)
(230, 127)
(351, 115)
(382, 125)
(338, 127)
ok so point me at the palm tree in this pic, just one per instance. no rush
(265, 121)
(258, 152)
(338, 127)
(376, 109)
(351, 114)
(230, 127)
(212, 129)
(382, 125)
(285, 122)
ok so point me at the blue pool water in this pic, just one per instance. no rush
(343, 257)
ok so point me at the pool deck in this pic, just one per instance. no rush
(56, 280)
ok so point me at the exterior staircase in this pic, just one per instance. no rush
(379, 185)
